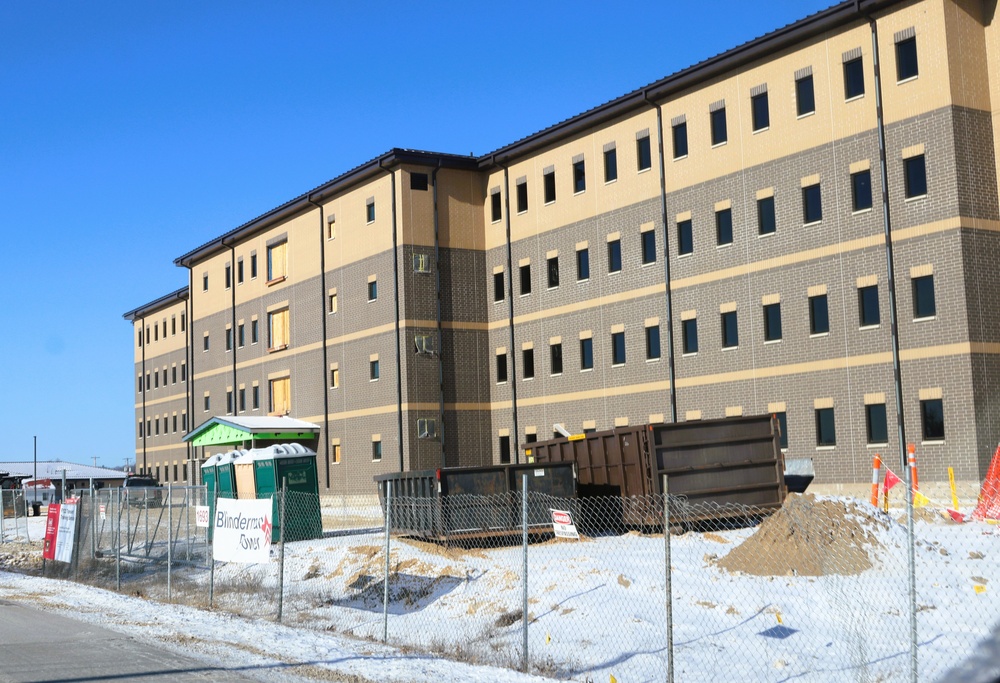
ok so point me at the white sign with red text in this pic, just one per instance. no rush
(201, 516)
(562, 524)
(241, 531)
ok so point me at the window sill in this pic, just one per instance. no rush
(549, 203)
(681, 157)
(809, 225)
(771, 341)
(618, 365)
(552, 288)
(926, 319)
(819, 335)
(723, 246)
(275, 349)
(611, 182)
(688, 255)
(495, 221)
(371, 301)
(501, 383)
(689, 355)
(556, 374)
(520, 213)
(579, 192)
(274, 281)
(614, 272)
(498, 301)
(766, 234)
(586, 279)
(646, 265)
(878, 445)
(855, 98)
(373, 380)
(720, 144)
(521, 296)
(527, 379)
(934, 442)
(915, 198)
(869, 327)
(730, 348)
(652, 360)
(860, 212)
(644, 170)
(762, 130)
(806, 115)
(586, 369)
(910, 79)
(826, 448)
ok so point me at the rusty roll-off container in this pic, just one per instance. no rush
(734, 461)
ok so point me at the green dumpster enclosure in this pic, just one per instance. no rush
(296, 465)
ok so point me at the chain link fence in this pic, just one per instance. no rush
(826, 588)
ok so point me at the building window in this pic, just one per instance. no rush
(254, 331)
(932, 419)
(915, 176)
(229, 402)
(156, 425)
(617, 348)
(335, 377)
(526, 279)
(680, 136)
(253, 267)
(759, 112)
(229, 276)
(587, 354)
(241, 335)
(501, 368)
(583, 264)
(418, 181)
(255, 396)
(730, 331)
(685, 238)
(333, 305)
(205, 343)
(552, 268)
(426, 428)
(610, 165)
(878, 431)
(782, 429)
(718, 123)
(555, 359)
(549, 186)
(156, 379)
(923, 297)
(243, 399)
(229, 339)
(204, 282)
(495, 207)
(826, 433)
(183, 322)
(142, 431)
(173, 325)
(280, 393)
(819, 315)
(277, 330)
(649, 247)
(643, 154)
(653, 342)
(370, 211)
(724, 227)
(906, 59)
(373, 370)
(277, 263)
(183, 372)
(614, 256)
(372, 290)
(772, 322)
(504, 449)
(522, 197)
(805, 98)
(579, 176)
(499, 290)
(766, 221)
(868, 306)
(689, 335)
(184, 422)
(376, 451)
(527, 363)
(335, 454)
(812, 204)
(208, 403)
(421, 263)
(861, 190)
(854, 78)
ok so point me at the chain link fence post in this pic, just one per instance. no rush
(209, 546)
(170, 540)
(667, 585)
(524, 571)
(118, 543)
(281, 552)
(3, 532)
(388, 548)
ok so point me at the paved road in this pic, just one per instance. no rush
(40, 647)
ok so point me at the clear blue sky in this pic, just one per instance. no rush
(132, 132)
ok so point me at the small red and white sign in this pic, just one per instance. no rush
(562, 524)
(201, 516)
(104, 512)
(60, 532)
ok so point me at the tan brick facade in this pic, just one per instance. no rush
(451, 246)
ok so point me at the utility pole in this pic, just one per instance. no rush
(94, 457)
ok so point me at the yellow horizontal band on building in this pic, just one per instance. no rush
(161, 449)
(875, 398)
(165, 399)
(776, 407)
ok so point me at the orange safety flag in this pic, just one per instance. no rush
(890, 479)
(956, 515)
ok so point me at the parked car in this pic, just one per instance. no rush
(143, 490)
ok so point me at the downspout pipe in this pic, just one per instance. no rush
(897, 375)
(145, 387)
(512, 376)
(440, 334)
(323, 315)
(232, 317)
(190, 346)
(668, 298)
(395, 297)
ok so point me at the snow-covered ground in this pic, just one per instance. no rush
(817, 593)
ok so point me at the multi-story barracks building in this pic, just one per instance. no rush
(716, 243)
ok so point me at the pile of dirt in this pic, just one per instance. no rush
(810, 537)
(21, 557)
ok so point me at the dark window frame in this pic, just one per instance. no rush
(525, 279)
(685, 237)
(643, 154)
(549, 186)
(915, 176)
(719, 127)
(579, 176)
(812, 204)
(826, 427)
(924, 300)
(528, 363)
(772, 322)
(552, 271)
(869, 314)
(648, 247)
(907, 66)
(689, 336)
(730, 330)
(819, 319)
(653, 347)
(861, 190)
(876, 424)
(522, 197)
(618, 352)
(760, 112)
(496, 207)
(586, 354)
(932, 425)
(615, 256)
(723, 227)
(501, 367)
(854, 78)
(805, 96)
(499, 287)
(555, 359)
(583, 264)
(766, 217)
(610, 165)
(680, 139)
